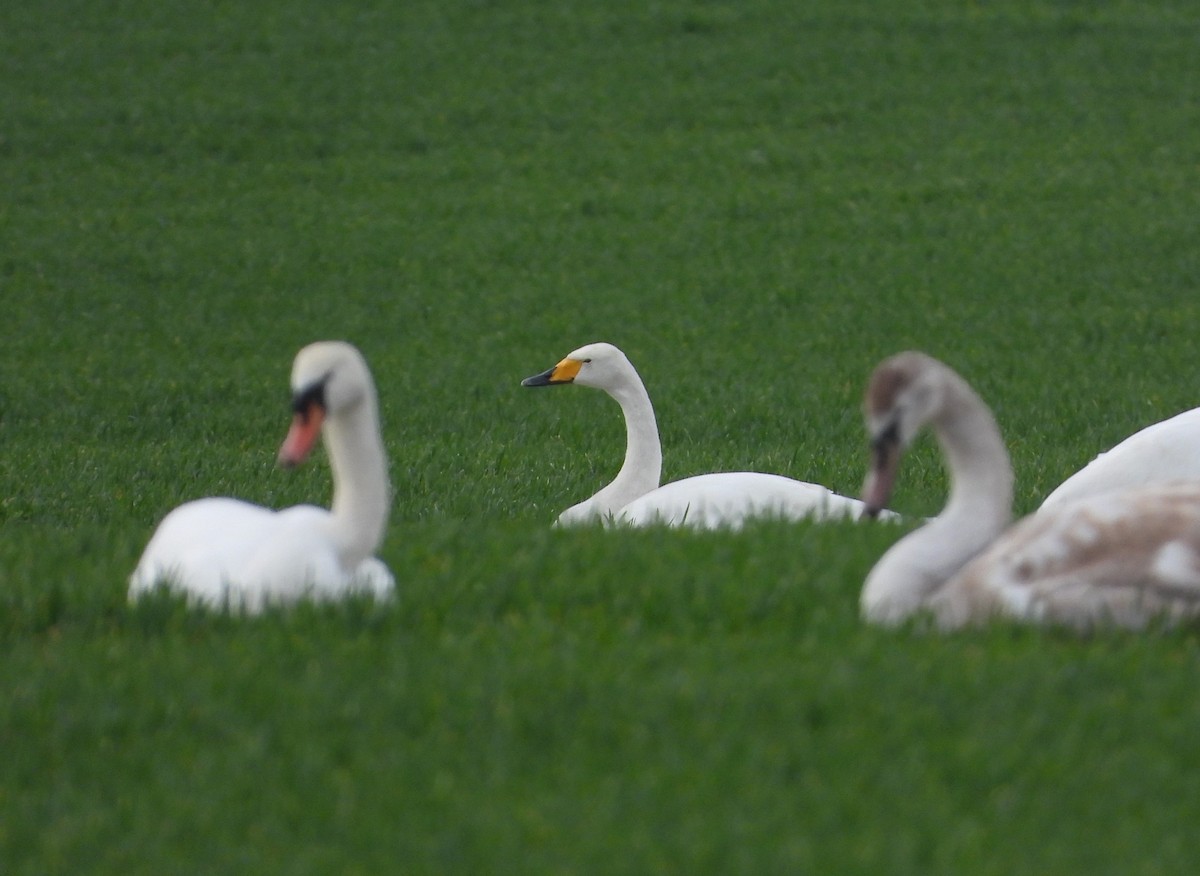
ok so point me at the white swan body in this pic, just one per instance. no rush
(1162, 452)
(1122, 558)
(710, 501)
(226, 552)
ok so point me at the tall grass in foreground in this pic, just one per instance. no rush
(756, 201)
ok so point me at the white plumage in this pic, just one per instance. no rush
(1162, 452)
(221, 551)
(730, 499)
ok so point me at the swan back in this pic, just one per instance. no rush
(1123, 558)
(730, 499)
(1162, 452)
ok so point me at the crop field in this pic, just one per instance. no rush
(756, 200)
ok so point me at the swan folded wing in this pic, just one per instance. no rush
(200, 546)
(301, 561)
(1125, 558)
(729, 499)
(296, 559)
(223, 552)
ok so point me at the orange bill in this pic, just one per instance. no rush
(302, 436)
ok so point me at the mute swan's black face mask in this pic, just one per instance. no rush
(310, 398)
(308, 414)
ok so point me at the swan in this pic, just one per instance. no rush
(1123, 558)
(1165, 451)
(709, 501)
(226, 552)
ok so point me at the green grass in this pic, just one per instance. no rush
(755, 200)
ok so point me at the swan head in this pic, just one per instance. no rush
(328, 377)
(599, 365)
(905, 392)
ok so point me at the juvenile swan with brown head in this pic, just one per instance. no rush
(1125, 558)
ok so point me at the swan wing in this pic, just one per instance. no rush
(729, 499)
(297, 558)
(222, 552)
(200, 546)
(300, 560)
(1123, 558)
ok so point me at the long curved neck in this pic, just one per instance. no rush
(978, 510)
(981, 476)
(642, 470)
(361, 491)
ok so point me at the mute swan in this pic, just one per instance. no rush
(1165, 451)
(227, 552)
(710, 501)
(1122, 558)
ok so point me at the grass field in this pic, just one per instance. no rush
(756, 200)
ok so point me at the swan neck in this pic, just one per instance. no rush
(361, 490)
(981, 476)
(642, 470)
(978, 510)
